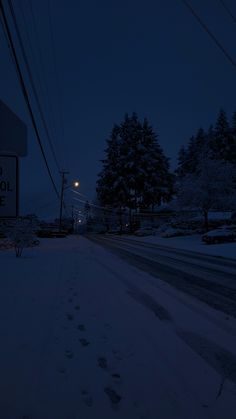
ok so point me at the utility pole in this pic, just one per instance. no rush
(63, 181)
(73, 218)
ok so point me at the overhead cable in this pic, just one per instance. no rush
(208, 31)
(26, 96)
(32, 83)
(226, 7)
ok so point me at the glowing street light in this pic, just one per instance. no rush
(76, 184)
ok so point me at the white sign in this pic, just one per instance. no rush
(13, 138)
(8, 186)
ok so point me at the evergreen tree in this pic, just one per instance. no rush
(190, 157)
(182, 168)
(157, 181)
(131, 159)
(213, 188)
(206, 168)
(135, 171)
(110, 185)
(234, 122)
(233, 134)
(222, 143)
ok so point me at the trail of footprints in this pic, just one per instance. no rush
(102, 361)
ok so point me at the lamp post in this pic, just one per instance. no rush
(76, 184)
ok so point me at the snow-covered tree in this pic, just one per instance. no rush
(158, 181)
(189, 157)
(111, 189)
(233, 136)
(222, 142)
(135, 171)
(213, 187)
(130, 159)
(218, 143)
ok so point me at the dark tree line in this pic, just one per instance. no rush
(135, 172)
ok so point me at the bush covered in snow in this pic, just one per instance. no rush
(19, 235)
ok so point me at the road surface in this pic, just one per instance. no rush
(207, 278)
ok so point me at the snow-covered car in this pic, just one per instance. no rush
(49, 234)
(114, 231)
(176, 232)
(145, 231)
(224, 234)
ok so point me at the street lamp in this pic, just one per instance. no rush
(76, 184)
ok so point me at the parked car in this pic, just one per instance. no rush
(49, 234)
(114, 231)
(224, 234)
(176, 232)
(145, 231)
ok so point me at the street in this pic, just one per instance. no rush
(208, 278)
(102, 327)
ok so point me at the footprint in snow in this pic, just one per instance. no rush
(102, 362)
(70, 300)
(62, 370)
(87, 399)
(116, 377)
(117, 355)
(77, 307)
(69, 316)
(114, 397)
(69, 354)
(81, 327)
(104, 337)
(84, 342)
(64, 327)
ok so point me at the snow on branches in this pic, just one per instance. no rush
(20, 234)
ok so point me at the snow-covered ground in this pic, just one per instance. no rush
(193, 243)
(85, 335)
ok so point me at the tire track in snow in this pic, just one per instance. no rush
(217, 296)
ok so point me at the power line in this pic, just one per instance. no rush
(79, 193)
(57, 79)
(8, 44)
(94, 205)
(37, 38)
(26, 96)
(63, 181)
(38, 62)
(32, 83)
(206, 29)
(226, 7)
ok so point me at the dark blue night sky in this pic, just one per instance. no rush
(114, 57)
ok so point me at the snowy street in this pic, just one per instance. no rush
(208, 278)
(102, 327)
